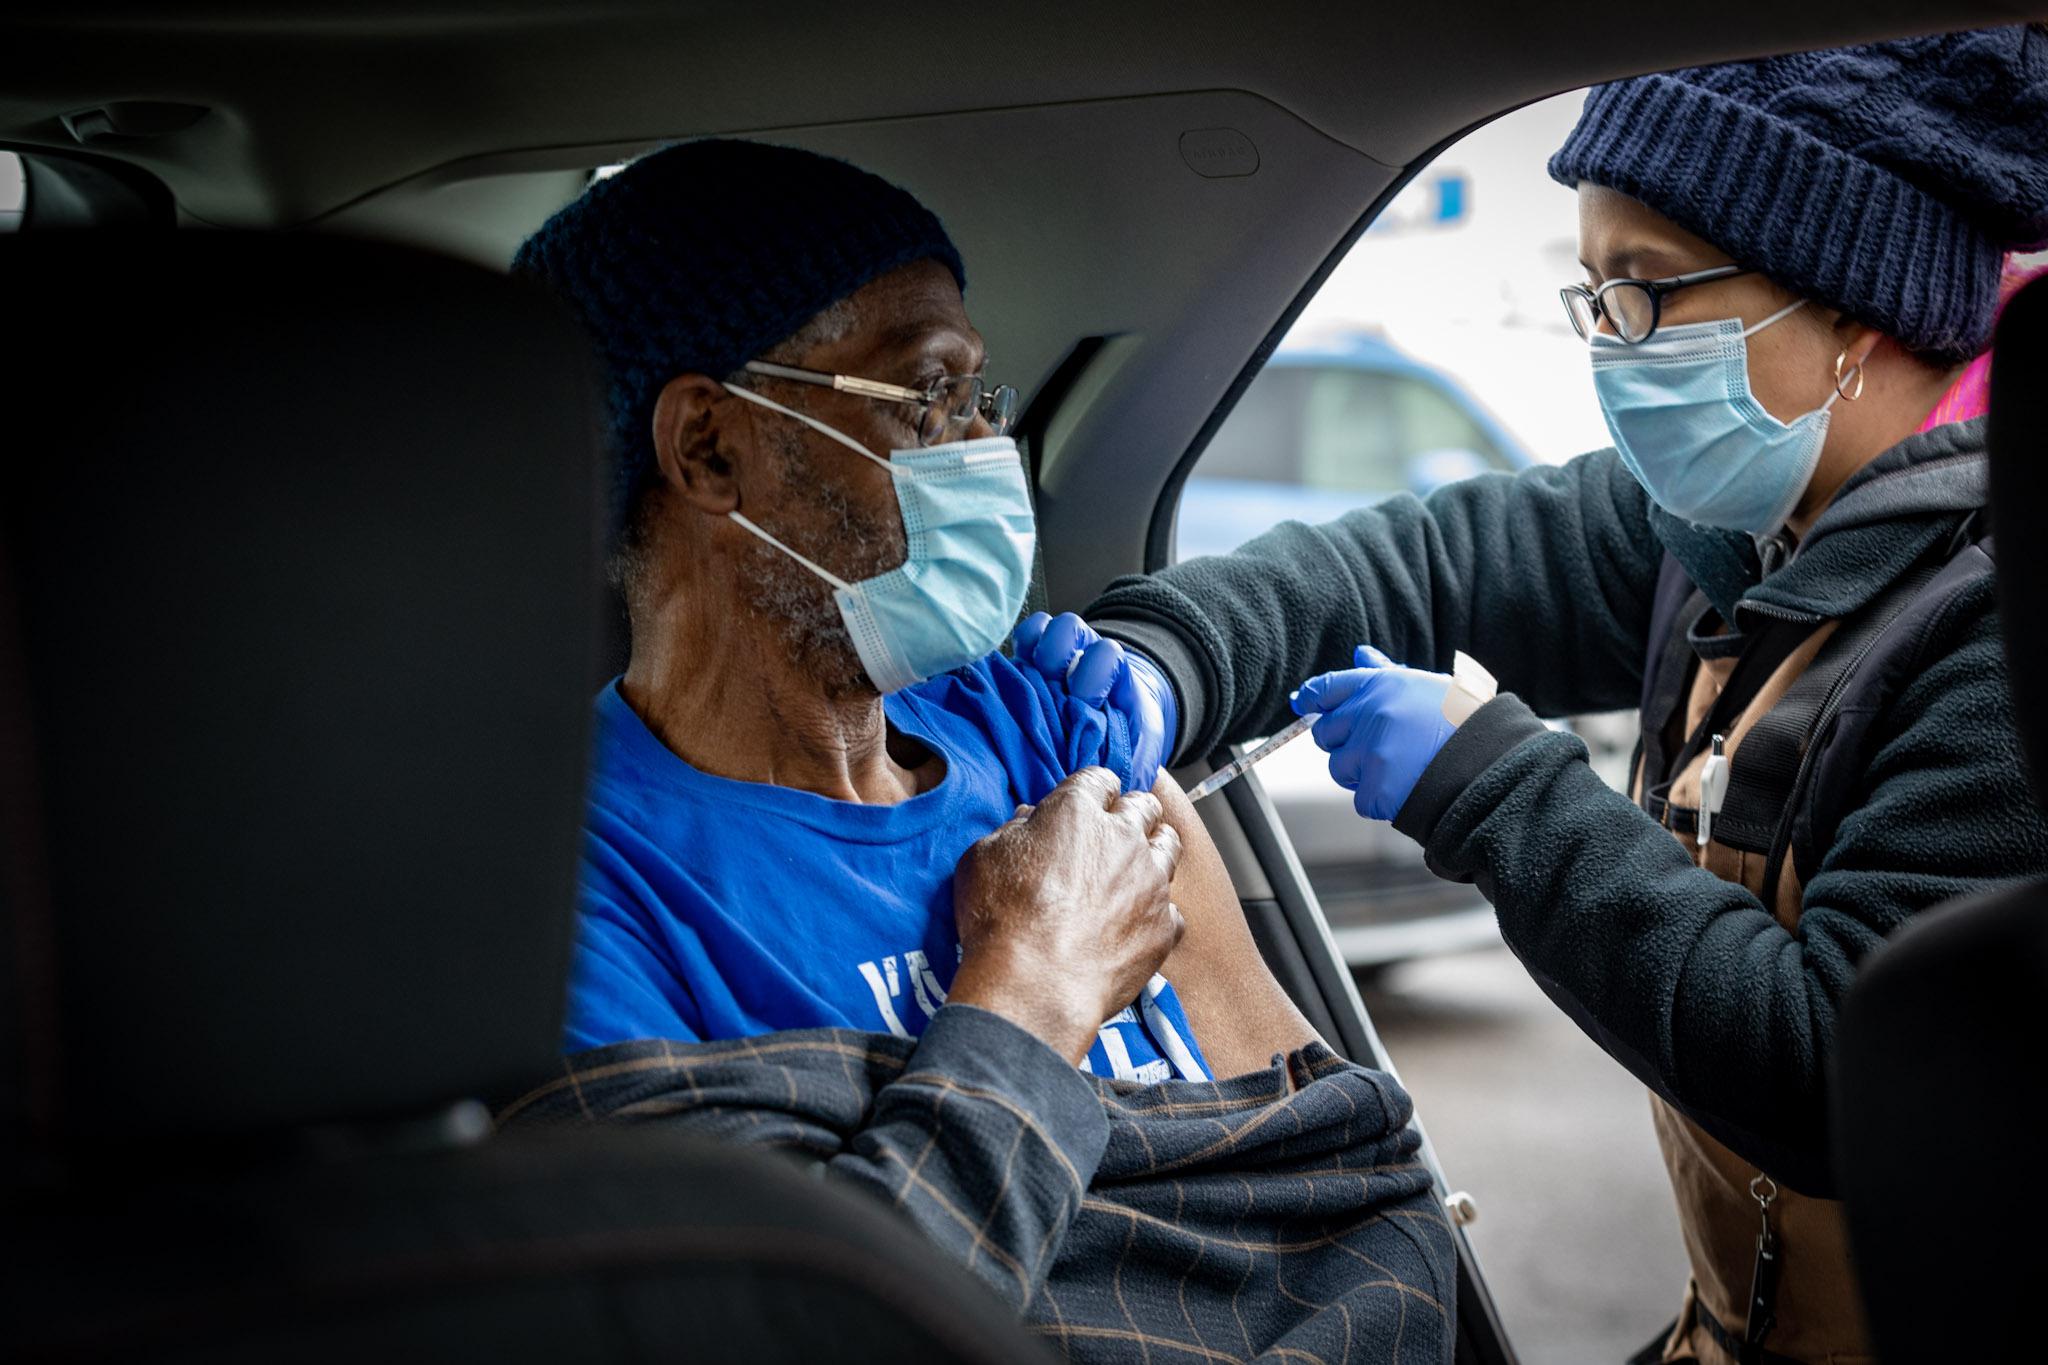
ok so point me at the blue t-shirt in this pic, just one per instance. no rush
(713, 908)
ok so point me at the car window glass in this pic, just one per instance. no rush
(1429, 420)
(1348, 441)
(1362, 432)
(1436, 349)
(1261, 439)
(13, 191)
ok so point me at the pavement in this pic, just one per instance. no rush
(1576, 1234)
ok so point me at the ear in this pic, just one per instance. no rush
(690, 449)
(1857, 340)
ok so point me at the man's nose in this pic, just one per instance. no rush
(978, 427)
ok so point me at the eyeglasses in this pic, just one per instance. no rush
(1633, 306)
(948, 405)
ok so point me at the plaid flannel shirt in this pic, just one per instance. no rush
(1277, 1215)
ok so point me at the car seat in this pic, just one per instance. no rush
(299, 603)
(1939, 1106)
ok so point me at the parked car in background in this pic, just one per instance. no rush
(1328, 426)
(1332, 425)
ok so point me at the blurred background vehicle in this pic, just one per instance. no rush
(1331, 425)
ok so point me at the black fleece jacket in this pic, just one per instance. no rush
(1547, 578)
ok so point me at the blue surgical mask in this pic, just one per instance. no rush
(1687, 426)
(969, 531)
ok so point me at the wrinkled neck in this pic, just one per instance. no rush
(715, 683)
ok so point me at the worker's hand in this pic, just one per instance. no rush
(1381, 724)
(1108, 676)
(1064, 912)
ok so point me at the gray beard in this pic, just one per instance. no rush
(798, 605)
(799, 609)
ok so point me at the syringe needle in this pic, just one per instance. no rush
(1224, 775)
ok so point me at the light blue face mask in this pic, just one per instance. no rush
(1687, 426)
(968, 525)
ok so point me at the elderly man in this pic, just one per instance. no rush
(809, 809)
(814, 511)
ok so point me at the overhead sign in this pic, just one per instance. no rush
(1432, 202)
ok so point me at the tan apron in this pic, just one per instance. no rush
(1819, 1316)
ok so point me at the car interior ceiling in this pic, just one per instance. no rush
(1129, 295)
(1050, 148)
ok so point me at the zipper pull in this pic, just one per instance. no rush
(1713, 790)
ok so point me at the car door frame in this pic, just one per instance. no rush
(1300, 949)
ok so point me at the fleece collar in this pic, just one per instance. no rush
(1887, 516)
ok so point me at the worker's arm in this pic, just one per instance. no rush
(1688, 980)
(1545, 577)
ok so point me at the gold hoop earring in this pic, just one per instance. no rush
(1855, 373)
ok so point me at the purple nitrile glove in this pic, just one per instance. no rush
(1106, 676)
(1381, 724)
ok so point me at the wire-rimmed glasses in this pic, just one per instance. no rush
(947, 405)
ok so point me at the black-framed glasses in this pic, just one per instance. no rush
(946, 406)
(1633, 306)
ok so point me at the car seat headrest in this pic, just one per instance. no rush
(299, 588)
(2018, 439)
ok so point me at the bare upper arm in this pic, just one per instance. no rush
(1241, 1015)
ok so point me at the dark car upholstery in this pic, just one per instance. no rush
(299, 605)
(1939, 1112)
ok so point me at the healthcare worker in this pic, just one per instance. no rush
(1791, 266)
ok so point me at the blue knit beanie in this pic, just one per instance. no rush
(1886, 181)
(699, 257)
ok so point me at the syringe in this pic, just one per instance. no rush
(1223, 776)
(1471, 687)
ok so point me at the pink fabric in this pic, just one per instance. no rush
(1970, 395)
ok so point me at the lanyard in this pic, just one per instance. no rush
(1763, 1278)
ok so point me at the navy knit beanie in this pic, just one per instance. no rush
(699, 257)
(1885, 181)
